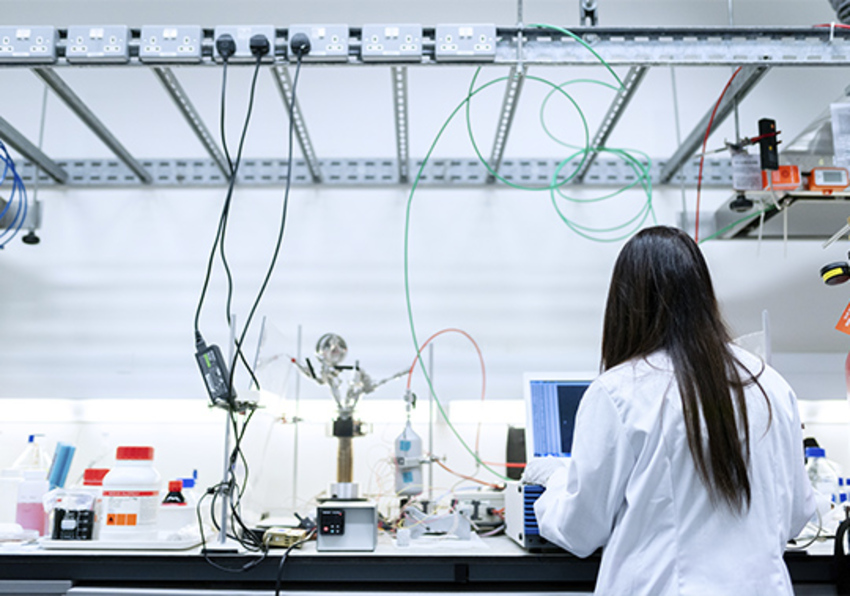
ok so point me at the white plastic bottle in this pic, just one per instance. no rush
(175, 512)
(408, 460)
(189, 490)
(33, 457)
(30, 512)
(823, 477)
(131, 497)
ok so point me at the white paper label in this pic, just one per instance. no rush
(841, 133)
(746, 171)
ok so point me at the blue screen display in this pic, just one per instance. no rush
(553, 415)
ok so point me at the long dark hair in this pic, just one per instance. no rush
(661, 298)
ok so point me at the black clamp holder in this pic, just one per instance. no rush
(587, 13)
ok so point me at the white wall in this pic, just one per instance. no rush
(103, 307)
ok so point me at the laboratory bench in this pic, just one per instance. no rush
(491, 565)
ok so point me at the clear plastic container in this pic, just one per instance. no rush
(131, 497)
(408, 459)
(30, 512)
(73, 513)
(822, 475)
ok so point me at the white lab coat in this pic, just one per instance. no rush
(632, 489)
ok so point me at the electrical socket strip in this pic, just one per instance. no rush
(462, 43)
(328, 43)
(391, 43)
(89, 44)
(170, 43)
(28, 45)
(242, 36)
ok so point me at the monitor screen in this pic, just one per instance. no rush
(551, 406)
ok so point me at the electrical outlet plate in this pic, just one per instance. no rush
(328, 43)
(242, 35)
(28, 44)
(391, 43)
(98, 44)
(171, 43)
(464, 43)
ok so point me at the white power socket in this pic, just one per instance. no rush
(98, 44)
(391, 43)
(462, 43)
(28, 44)
(170, 43)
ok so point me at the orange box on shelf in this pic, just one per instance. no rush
(785, 178)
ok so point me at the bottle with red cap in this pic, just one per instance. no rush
(131, 496)
(93, 483)
(175, 512)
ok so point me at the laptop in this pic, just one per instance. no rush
(551, 404)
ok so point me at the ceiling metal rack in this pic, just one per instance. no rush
(363, 172)
(193, 119)
(754, 49)
(631, 82)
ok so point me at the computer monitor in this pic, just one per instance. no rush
(551, 403)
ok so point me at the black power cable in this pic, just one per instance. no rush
(226, 48)
(300, 46)
(243, 568)
(284, 556)
(259, 46)
(230, 487)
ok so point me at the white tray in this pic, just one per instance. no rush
(164, 544)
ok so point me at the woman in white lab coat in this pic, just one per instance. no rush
(687, 464)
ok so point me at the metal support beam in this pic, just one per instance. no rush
(284, 85)
(402, 139)
(506, 119)
(184, 104)
(87, 116)
(631, 82)
(458, 172)
(23, 146)
(742, 84)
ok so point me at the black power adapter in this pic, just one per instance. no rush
(214, 371)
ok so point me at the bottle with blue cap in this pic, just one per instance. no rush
(822, 475)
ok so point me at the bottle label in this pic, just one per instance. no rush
(130, 508)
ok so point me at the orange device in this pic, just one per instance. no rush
(828, 180)
(785, 178)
